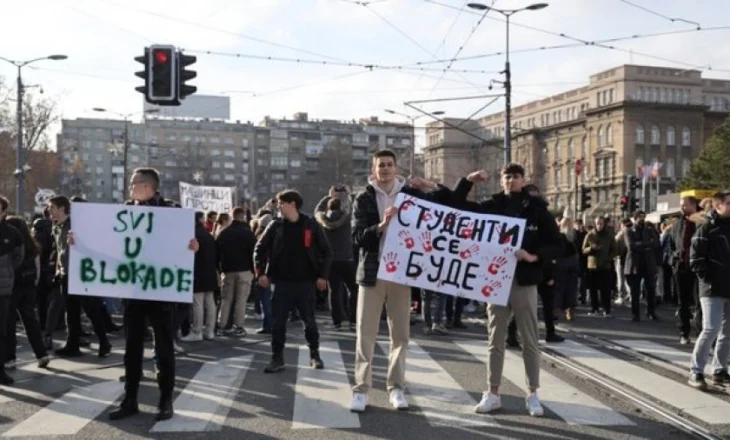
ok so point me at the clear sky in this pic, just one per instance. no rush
(101, 38)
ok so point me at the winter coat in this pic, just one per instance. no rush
(643, 247)
(602, 257)
(12, 252)
(205, 273)
(336, 225)
(235, 248)
(710, 257)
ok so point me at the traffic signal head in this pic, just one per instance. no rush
(634, 204)
(634, 183)
(184, 75)
(585, 198)
(625, 203)
(144, 74)
(163, 74)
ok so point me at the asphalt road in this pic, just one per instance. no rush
(223, 393)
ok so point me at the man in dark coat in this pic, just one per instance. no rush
(642, 242)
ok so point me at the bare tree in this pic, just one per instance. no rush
(39, 114)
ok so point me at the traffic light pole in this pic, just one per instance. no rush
(124, 158)
(20, 171)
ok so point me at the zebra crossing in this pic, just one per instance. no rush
(438, 395)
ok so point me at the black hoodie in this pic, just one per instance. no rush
(542, 236)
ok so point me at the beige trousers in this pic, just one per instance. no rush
(397, 300)
(234, 285)
(204, 313)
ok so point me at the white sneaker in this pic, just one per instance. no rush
(359, 402)
(398, 399)
(533, 405)
(209, 336)
(192, 337)
(177, 348)
(259, 316)
(490, 402)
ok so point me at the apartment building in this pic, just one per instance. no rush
(624, 118)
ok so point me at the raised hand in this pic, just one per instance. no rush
(478, 176)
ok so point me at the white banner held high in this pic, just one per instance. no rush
(136, 252)
(206, 198)
(455, 252)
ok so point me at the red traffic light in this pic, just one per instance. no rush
(624, 200)
(161, 56)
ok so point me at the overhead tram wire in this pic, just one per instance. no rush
(572, 38)
(458, 52)
(658, 14)
(223, 31)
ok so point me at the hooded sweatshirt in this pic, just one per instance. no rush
(385, 201)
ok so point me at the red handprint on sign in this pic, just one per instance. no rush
(408, 241)
(407, 203)
(490, 287)
(469, 252)
(450, 218)
(426, 241)
(468, 231)
(391, 265)
(496, 264)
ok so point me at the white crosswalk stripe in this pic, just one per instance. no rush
(321, 398)
(704, 407)
(569, 403)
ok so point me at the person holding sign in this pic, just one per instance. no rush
(541, 244)
(373, 211)
(143, 187)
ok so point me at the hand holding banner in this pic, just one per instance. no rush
(455, 252)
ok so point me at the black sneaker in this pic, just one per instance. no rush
(554, 338)
(5, 379)
(239, 332)
(68, 352)
(697, 381)
(274, 366)
(263, 331)
(720, 378)
(460, 325)
(127, 408)
(105, 350)
(316, 361)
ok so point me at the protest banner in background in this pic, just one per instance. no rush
(206, 198)
(136, 252)
(455, 252)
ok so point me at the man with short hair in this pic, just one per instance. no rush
(372, 212)
(599, 246)
(680, 243)
(541, 244)
(235, 261)
(642, 242)
(12, 252)
(710, 261)
(293, 254)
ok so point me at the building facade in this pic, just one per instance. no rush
(624, 120)
(259, 161)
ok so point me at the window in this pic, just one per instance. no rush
(228, 141)
(610, 96)
(600, 136)
(229, 166)
(571, 177)
(685, 167)
(640, 134)
(670, 136)
(663, 95)
(229, 178)
(571, 149)
(557, 151)
(215, 140)
(599, 169)
(279, 161)
(244, 156)
(99, 170)
(229, 153)
(686, 137)
(609, 135)
(295, 163)
(216, 164)
(655, 136)
(215, 152)
(598, 99)
(245, 143)
(685, 96)
(669, 168)
(642, 94)
(584, 147)
(557, 176)
(170, 163)
(654, 94)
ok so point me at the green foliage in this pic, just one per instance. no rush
(711, 170)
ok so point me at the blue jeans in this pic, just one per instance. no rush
(715, 320)
(265, 298)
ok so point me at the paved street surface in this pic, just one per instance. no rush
(223, 393)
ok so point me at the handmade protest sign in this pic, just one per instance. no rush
(137, 252)
(455, 252)
(206, 198)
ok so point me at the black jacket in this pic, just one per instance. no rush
(43, 236)
(365, 235)
(710, 257)
(642, 244)
(542, 236)
(235, 248)
(676, 241)
(12, 253)
(205, 274)
(336, 225)
(271, 245)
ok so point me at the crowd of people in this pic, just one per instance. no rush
(286, 262)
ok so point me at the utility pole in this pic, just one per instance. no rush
(20, 171)
(507, 103)
(125, 154)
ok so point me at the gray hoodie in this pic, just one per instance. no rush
(385, 201)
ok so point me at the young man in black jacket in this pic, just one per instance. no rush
(293, 254)
(685, 281)
(12, 253)
(541, 244)
(235, 262)
(710, 261)
(642, 242)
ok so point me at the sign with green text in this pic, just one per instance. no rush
(135, 252)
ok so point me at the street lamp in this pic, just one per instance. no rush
(20, 169)
(126, 136)
(413, 133)
(507, 13)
